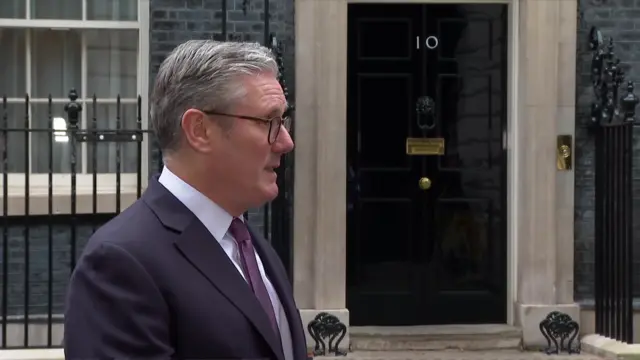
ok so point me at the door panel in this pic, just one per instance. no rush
(469, 74)
(436, 255)
(374, 156)
(381, 112)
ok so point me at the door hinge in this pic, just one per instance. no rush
(417, 42)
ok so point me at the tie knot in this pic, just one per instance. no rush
(239, 231)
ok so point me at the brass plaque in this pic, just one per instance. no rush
(425, 146)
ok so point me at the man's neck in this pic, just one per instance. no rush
(191, 176)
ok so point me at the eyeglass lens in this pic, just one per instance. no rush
(274, 128)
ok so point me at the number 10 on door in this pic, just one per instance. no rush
(431, 42)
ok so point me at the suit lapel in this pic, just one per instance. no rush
(205, 253)
(284, 291)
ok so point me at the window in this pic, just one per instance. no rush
(98, 47)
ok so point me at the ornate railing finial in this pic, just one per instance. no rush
(607, 76)
(73, 109)
(629, 103)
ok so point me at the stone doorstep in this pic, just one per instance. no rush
(609, 348)
(437, 330)
(436, 337)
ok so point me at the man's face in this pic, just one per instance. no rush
(242, 160)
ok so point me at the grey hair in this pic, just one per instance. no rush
(202, 74)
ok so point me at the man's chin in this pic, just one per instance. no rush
(272, 191)
(269, 192)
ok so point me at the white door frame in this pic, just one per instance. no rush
(541, 105)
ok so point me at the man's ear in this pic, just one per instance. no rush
(197, 131)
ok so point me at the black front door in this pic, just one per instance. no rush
(426, 233)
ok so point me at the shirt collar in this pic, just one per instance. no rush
(213, 217)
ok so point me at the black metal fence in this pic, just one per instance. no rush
(613, 117)
(66, 171)
(51, 200)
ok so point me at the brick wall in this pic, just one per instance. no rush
(171, 22)
(38, 290)
(621, 20)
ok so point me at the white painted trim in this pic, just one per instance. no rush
(32, 354)
(68, 24)
(66, 100)
(84, 72)
(27, 9)
(512, 156)
(61, 195)
(39, 183)
(28, 65)
(84, 10)
(144, 58)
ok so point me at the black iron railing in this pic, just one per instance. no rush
(613, 117)
(51, 199)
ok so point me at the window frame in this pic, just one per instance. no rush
(38, 183)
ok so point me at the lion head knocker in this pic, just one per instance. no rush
(426, 110)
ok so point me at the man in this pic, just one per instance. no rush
(179, 274)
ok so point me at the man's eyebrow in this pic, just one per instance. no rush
(277, 110)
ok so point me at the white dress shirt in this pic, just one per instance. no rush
(217, 221)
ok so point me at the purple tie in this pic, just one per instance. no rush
(250, 268)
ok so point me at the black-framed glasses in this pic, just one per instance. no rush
(275, 123)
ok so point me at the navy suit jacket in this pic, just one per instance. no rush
(154, 284)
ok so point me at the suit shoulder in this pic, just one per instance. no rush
(132, 228)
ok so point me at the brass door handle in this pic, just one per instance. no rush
(424, 183)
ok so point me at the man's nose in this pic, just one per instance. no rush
(284, 142)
